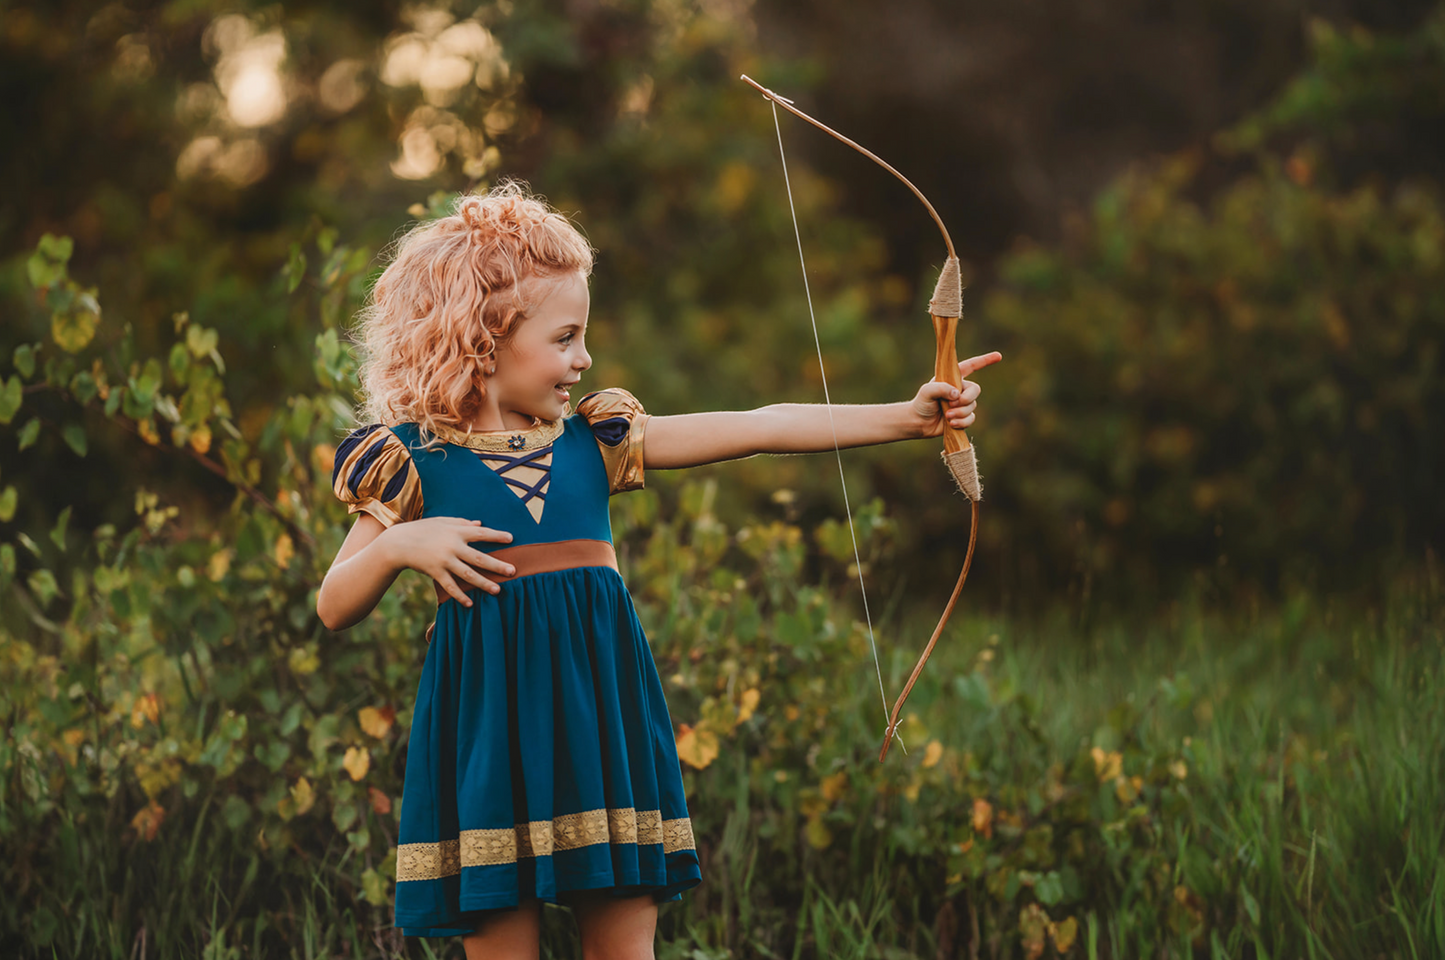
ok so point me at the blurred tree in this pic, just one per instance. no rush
(1008, 114)
(213, 159)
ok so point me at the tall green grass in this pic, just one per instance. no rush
(1290, 769)
(1309, 825)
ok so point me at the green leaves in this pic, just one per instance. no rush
(201, 342)
(74, 436)
(75, 311)
(295, 269)
(46, 266)
(24, 358)
(57, 533)
(10, 397)
(27, 435)
(73, 325)
(335, 368)
(42, 584)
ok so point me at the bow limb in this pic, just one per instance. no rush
(958, 454)
(787, 105)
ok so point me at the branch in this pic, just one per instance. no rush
(218, 469)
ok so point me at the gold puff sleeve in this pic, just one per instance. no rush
(618, 421)
(373, 472)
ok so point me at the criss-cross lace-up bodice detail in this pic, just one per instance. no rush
(528, 475)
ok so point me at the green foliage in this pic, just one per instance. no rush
(1240, 393)
(1223, 380)
(179, 720)
(1216, 394)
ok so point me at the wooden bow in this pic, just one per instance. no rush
(945, 308)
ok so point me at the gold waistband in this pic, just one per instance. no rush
(530, 558)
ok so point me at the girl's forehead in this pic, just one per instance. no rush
(560, 297)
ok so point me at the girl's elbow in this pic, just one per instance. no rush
(331, 619)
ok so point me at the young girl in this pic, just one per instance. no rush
(541, 764)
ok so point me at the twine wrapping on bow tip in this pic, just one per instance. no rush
(948, 293)
(963, 464)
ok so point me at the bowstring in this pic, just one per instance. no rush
(828, 402)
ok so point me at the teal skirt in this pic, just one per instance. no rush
(541, 758)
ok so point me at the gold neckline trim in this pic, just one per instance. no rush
(504, 441)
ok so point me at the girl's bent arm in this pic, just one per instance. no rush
(359, 576)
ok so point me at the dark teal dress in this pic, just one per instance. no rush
(541, 757)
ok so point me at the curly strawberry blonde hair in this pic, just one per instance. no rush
(455, 291)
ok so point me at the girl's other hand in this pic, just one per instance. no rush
(936, 399)
(439, 547)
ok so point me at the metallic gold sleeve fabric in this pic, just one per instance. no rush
(373, 473)
(609, 412)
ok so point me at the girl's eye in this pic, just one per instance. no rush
(566, 339)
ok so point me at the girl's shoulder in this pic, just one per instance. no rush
(610, 408)
(373, 472)
(619, 422)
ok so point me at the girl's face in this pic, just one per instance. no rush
(546, 354)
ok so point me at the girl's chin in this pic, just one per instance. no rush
(554, 408)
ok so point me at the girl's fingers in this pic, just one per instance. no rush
(450, 586)
(969, 393)
(938, 390)
(485, 560)
(470, 575)
(965, 367)
(479, 532)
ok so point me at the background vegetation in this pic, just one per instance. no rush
(1192, 706)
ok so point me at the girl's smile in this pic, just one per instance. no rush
(543, 359)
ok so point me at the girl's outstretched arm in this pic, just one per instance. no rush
(693, 439)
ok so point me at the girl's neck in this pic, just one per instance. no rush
(493, 418)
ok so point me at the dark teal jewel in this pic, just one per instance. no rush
(517, 442)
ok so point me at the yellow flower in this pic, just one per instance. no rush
(1033, 929)
(748, 704)
(284, 550)
(303, 660)
(357, 762)
(323, 457)
(376, 723)
(147, 707)
(1064, 933)
(148, 820)
(817, 832)
(982, 817)
(218, 565)
(696, 746)
(932, 754)
(1107, 765)
(303, 796)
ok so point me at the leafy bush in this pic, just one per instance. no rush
(193, 761)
